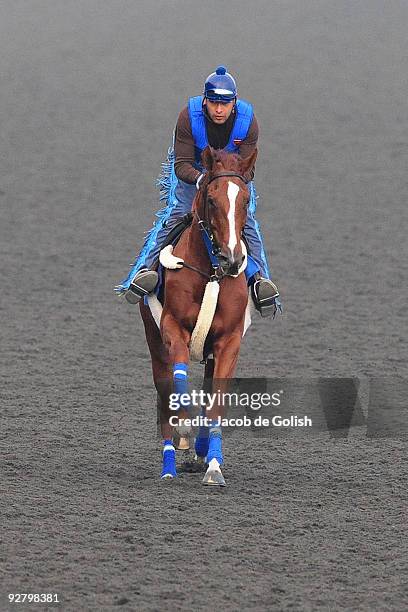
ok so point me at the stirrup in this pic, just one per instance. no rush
(144, 283)
(264, 294)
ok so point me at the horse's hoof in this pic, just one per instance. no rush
(168, 476)
(193, 465)
(199, 460)
(181, 437)
(183, 443)
(214, 478)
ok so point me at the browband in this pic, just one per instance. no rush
(228, 174)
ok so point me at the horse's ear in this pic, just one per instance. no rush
(248, 163)
(207, 158)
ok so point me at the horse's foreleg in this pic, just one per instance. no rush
(226, 351)
(201, 442)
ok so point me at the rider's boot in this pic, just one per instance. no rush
(143, 283)
(264, 294)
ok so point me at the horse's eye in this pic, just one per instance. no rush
(211, 202)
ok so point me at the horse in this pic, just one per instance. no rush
(219, 213)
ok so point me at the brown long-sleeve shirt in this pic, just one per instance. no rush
(218, 137)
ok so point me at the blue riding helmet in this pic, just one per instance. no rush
(220, 86)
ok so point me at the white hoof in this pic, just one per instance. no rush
(213, 475)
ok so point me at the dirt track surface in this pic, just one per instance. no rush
(89, 97)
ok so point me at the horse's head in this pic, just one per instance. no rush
(222, 203)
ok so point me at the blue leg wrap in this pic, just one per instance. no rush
(201, 444)
(202, 440)
(169, 459)
(180, 378)
(215, 445)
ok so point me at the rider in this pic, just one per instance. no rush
(221, 120)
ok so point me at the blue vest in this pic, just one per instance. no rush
(243, 119)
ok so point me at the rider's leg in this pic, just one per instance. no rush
(253, 237)
(142, 279)
(264, 291)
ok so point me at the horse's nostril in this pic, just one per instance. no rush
(230, 265)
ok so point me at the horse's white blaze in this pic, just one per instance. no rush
(232, 193)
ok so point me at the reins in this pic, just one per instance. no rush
(186, 265)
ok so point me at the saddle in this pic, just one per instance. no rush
(180, 225)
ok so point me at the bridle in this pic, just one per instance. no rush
(208, 234)
(205, 223)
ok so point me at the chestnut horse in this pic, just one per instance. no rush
(219, 210)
